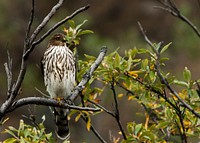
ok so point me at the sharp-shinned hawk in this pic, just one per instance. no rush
(58, 66)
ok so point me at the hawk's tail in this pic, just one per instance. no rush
(62, 124)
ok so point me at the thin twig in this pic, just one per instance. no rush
(94, 130)
(147, 39)
(8, 69)
(31, 19)
(164, 81)
(46, 20)
(171, 7)
(117, 114)
(101, 107)
(85, 119)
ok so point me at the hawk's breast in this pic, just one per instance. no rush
(59, 71)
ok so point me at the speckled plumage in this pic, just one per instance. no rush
(58, 65)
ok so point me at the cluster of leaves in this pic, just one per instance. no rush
(28, 134)
(166, 116)
(73, 33)
(167, 119)
(135, 72)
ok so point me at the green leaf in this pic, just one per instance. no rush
(12, 129)
(147, 135)
(84, 32)
(79, 26)
(71, 23)
(152, 76)
(165, 48)
(162, 125)
(142, 51)
(181, 83)
(130, 127)
(187, 74)
(117, 60)
(138, 128)
(9, 132)
(5, 120)
(144, 64)
(90, 57)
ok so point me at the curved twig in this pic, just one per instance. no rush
(171, 7)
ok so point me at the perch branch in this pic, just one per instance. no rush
(47, 102)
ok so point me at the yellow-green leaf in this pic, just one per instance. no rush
(78, 117)
(165, 47)
(88, 125)
(10, 140)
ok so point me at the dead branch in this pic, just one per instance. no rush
(170, 6)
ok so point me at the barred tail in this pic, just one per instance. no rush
(62, 124)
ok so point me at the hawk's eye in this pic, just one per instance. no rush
(57, 38)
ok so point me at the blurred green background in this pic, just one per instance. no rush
(114, 24)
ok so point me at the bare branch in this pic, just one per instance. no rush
(103, 108)
(47, 102)
(85, 119)
(147, 39)
(60, 23)
(171, 7)
(117, 116)
(45, 20)
(94, 130)
(8, 69)
(88, 75)
(31, 19)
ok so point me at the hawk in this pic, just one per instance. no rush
(58, 67)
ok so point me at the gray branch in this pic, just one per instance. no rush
(46, 20)
(47, 102)
(87, 76)
(170, 6)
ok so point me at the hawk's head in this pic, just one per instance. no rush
(57, 40)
